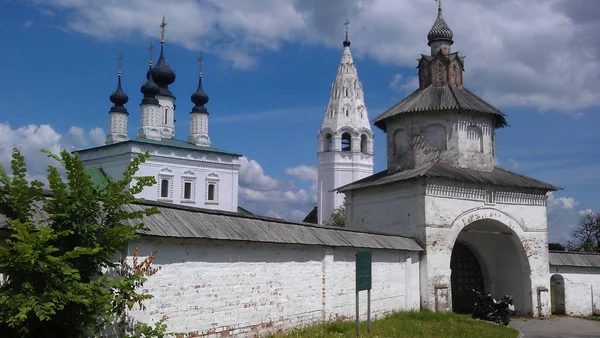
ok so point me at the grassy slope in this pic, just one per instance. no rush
(411, 324)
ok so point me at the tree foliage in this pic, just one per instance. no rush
(58, 259)
(556, 247)
(338, 216)
(586, 237)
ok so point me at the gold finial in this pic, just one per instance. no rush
(151, 51)
(200, 59)
(439, 2)
(163, 24)
(120, 61)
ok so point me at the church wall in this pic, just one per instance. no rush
(582, 289)
(460, 140)
(242, 288)
(392, 209)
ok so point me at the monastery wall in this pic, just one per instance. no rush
(239, 289)
(581, 289)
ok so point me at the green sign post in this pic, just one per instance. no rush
(363, 282)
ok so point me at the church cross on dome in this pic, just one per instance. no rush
(439, 2)
(200, 59)
(163, 25)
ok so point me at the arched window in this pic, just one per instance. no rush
(327, 142)
(346, 111)
(211, 192)
(364, 143)
(164, 188)
(474, 139)
(166, 115)
(400, 142)
(346, 142)
(435, 137)
(347, 91)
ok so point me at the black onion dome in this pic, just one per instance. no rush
(162, 74)
(149, 89)
(119, 98)
(199, 98)
(440, 30)
(346, 42)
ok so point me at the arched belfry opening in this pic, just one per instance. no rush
(489, 256)
(346, 142)
(557, 294)
(364, 144)
(327, 143)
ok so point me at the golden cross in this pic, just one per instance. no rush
(439, 2)
(163, 24)
(151, 50)
(200, 59)
(120, 61)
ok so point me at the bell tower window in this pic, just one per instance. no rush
(327, 143)
(346, 142)
(363, 144)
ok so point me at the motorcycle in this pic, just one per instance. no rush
(487, 308)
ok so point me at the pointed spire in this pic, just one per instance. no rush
(347, 41)
(119, 98)
(150, 89)
(199, 98)
(440, 30)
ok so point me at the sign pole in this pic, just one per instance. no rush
(369, 310)
(357, 315)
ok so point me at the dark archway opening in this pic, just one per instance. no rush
(346, 142)
(466, 275)
(557, 294)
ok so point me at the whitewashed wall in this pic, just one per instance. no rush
(582, 289)
(242, 288)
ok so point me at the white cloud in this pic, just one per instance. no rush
(531, 53)
(563, 217)
(28, 24)
(514, 164)
(303, 172)
(78, 134)
(97, 136)
(31, 139)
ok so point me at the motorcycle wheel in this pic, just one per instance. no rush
(475, 314)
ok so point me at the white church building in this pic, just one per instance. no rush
(441, 219)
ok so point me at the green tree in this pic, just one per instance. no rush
(338, 216)
(586, 237)
(58, 259)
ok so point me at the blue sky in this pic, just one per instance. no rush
(268, 69)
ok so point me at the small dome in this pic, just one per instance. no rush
(162, 74)
(150, 89)
(199, 98)
(346, 42)
(440, 30)
(119, 98)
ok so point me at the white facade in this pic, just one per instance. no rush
(577, 289)
(117, 129)
(199, 129)
(241, 289)
(192, 177)
(345, 142)
(158, 122)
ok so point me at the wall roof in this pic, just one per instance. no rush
(176, 221)
(576, 259)
(498, 177)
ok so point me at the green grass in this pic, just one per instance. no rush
(410, 325)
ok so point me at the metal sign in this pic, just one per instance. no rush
(363, 282)
(363, 270)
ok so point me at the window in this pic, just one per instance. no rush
(363, 143)
(166, 115)
(164, 188)
(346, 142)
(327, 142)
(212, 189)
(211, 192)
(187, 190)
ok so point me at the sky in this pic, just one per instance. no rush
(268, 67)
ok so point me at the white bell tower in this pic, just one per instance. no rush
(345, 140)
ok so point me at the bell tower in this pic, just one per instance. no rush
(345, 142)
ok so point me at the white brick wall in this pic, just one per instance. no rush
(582, 289)
(241, 288)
